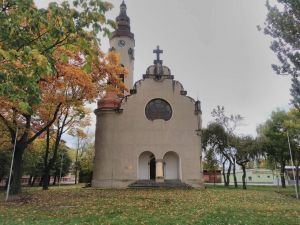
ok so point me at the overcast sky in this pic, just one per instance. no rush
(214, 49)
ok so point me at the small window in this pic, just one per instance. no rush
(122, 77)
(250, 178)
(268, 176)
(258, 176)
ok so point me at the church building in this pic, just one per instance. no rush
(152, 136)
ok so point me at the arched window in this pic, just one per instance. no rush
(158, 109)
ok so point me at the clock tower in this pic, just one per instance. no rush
(122, 41)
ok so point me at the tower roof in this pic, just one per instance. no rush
(123, 23)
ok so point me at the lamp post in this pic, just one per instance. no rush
(288, 137)
(11, 166)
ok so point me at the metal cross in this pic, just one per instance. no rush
(158, 51)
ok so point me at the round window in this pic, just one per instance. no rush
(158, 109)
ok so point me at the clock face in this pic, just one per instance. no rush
(121, 43)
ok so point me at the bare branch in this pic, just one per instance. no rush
(10, 129)
(46, 126)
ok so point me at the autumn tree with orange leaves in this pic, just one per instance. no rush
(50, 66)
(73, 87)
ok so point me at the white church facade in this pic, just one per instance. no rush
(153, 134)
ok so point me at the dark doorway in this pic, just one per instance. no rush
(152, 169)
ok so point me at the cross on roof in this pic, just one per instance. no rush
(158, 51)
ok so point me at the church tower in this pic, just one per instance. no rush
(122, 41)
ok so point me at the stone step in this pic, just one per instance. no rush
(166, 184)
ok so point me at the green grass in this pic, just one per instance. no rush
(76, 205)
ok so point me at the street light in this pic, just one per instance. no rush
(11, 165)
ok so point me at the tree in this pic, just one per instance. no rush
(230, 123)
(33, 160)
(81, 146)
(211, 164)
(273, 140)
(5, 159)
(283, 25)
(5, 152)
(62, 164)
(37, 52)
(73, 90)
(214, 137)
(292, 124)
(245, 151)
(87, 164)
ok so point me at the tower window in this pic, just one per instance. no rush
(131, 53)
(122, 78)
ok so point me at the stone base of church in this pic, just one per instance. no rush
(112, 184)
(123, 184)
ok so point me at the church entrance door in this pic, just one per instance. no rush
(152, 169)
(146, 166)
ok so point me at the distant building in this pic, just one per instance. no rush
(289, 172)
(259, 177)
(212, 176)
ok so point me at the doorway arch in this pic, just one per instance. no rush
(147, 166)
(171, 166)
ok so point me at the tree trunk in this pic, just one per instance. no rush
(33, 181)
(228, 175)
(76, 164)
(17, 169)
(50, 165)
(46, 178)
(244, 177)
(76, 174)
(282, 172)
(54, 179)
(234, 175)
(224, 176)
(214, 178)
(297, 175)
(91, 177)
(46, 166)
(6, 183)
(29, 180)
(41, 181)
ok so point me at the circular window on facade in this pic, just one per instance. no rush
(158, 109)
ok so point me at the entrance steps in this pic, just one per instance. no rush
(140, 184)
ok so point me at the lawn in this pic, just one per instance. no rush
(76, 205)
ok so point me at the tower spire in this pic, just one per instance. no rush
(122, 41)
(123, 23)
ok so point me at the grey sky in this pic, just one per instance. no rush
(214, 49)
